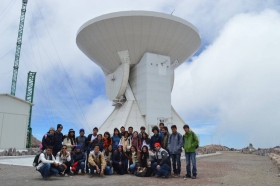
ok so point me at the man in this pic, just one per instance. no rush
(97, 162)
(47, 164)
(175, 144)
(130, 131)
(142, 131)
(155, 138)
(190, 142)
(58, 139)
(164, 140)
(82, 140)
(161, 165)
(161, 125)
(79, 159)
(64, 157)
(90, 140)
(122, 131)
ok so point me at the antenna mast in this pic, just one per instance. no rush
(18, 48)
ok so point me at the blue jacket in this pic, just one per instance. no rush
(175, 143)
(115, 142)
(155, 139)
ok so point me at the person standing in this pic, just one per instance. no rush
(119, 160)
(190, 142)
(161, 125)
(89, 144)
(161, 164)
(58, 139)
(107, 140)
(130, 131)
(165, 137)
(145, 140)
(116, 139)
(70, 141)
(175, 144)
(48, 139)
(82, 140)
(122, 130)
(142, 131)
(136, 141)
(98, 141)
(155, 138)
(126, 142)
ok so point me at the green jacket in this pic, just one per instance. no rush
(190, 141)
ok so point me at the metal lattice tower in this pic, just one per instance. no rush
(18, 48)
(29, 97)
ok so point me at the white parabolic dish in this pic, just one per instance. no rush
(138, 32)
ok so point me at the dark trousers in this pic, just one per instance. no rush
(176, 163)
(68, 164)
(120, 169)
(164, 170)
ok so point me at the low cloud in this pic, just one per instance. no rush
(235, 82)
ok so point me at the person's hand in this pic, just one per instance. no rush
(149, 163)
(72, 146)
(120, 163)
(55, 164)
(91, 141)
(101, 173)
(97, 169)
(158, 166)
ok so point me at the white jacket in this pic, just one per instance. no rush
(42, 159)
(62, 158)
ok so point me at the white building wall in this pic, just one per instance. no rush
(150, 81)
(13, 122)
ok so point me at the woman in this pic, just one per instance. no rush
(119, 160)
(135, 140)
(116, 139)
(70, 141)
(133, 160)
(108, 154)
(48, 139)
(107, 140)
(126, 142)
(145, 140)
(64, 158)
(145, 162)
(98, 141)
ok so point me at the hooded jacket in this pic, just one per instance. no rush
(79, 157)
(175, 143)
(190, 141)
(48, 140)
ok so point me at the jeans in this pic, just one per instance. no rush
(191, 156)
(163, 170)
(46, 170)
(107, 170)
(133, 168)
(81, 166)
(176, 160)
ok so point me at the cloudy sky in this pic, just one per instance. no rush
(228, 92)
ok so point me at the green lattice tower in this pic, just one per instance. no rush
(18, 47)
(29, 97)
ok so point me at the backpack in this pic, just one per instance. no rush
(194, 140)
(36, 160)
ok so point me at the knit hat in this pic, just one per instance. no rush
(71, 130)
(82, 130)
(120, 145)
(59, 126)
(157, 144)
(78, 147)
(51, 129)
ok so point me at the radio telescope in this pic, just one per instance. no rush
(138, 52)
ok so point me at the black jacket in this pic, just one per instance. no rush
(58, 141)
(162, 157)
(48, 140)
(79, 156)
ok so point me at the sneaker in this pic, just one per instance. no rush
(91, 175)
(157, 176)
(47, 179)
(175, 175)
(66, 175)
(83, 173)
(75, 173)
(194, 177)
(187, 176)
(165, 177)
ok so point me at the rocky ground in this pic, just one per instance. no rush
(230, 168)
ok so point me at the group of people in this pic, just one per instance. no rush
(125, 152)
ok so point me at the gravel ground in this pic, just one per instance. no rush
(230, 168)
